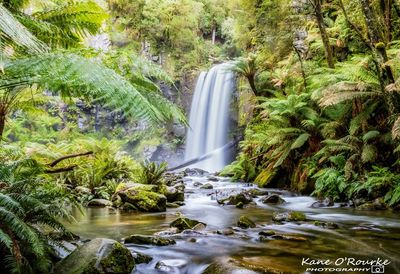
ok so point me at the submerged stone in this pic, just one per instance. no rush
(328, 225)
(97, 257)
(267, 233)
(148, 240)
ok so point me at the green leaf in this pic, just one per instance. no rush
(300, 141)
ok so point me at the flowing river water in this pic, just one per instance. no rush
(361, 234)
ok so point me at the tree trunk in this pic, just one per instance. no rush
(252, 83)
(303, 71)
(2, 124)
(213, 35)
(388, 19)
(325, 38)
(376, 39)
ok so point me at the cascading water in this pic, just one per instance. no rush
(209, 118)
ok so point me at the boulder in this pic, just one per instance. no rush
(146, 201)
(377, 204)
(195, 172)
(183, 223)
(199, 227)
(99, 203)
(293, 216)
(207, 186)
(97, 256)
(174, 193)
(242, 197)
(148, 240)
(212, 178)
(255, 192)
(327, 202)
(245, 222)
(273, 199)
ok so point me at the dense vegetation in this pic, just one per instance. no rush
(318, 88)
(325, 74)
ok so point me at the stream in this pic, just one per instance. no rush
(361, 234)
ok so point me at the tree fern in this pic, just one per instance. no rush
(12, 30)
(74, 76)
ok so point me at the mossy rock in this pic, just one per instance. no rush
(174, 194)
(97, 257)
(141, 258)
(242, 197)
(293, 216)
(274, 199)
(146, 201)
(148, 240)
(245, 222)
(183, 223)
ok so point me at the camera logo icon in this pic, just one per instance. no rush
(377, 269)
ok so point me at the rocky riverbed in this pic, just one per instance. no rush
(224, 226)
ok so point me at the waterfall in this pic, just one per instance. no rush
(209, 118)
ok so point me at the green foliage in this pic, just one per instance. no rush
(336, 128)
(28, 206)
(152, 174)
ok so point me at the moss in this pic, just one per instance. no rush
(296, 216)
(293, 216)
(245, 222)
(99, 256)
(118, 260)
(143, 200)
(380, 45)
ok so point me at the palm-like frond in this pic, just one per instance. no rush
(74, 76)
(11, 29)
(66, 24)
(396, 129)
